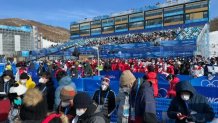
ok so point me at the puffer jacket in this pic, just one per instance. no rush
(196, 108)
(65, 81)
(92, 116)
(152, 77)
(109, 104)
(143, 102)
(5, 86)
(29, 83)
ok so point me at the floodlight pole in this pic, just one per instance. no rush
(98, 59)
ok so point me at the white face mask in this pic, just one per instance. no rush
(65, 104)
(6, 80)
(185, 97)
(23, 81)
(103, 87)
(41, 80)
(80, 112)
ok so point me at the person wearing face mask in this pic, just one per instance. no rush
(26, 80)
(6, 81)
(16, 98)
(105, 98)
(66, 106)
(63, 80)
(86, 110)
(188, 106)
(46, 86)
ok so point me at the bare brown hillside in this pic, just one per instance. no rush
(55, 34)
(214, 25)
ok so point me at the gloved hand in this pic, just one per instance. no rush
(191, 118)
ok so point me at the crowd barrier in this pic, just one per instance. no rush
(204, 86)
(90, 85)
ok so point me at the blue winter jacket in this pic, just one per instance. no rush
(65, 81)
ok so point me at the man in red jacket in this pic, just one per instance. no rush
(152, 77)
(173, 80)
(170, 68)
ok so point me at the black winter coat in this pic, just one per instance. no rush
(197, 103)
(5, 86)
(48, 91)
(143, 102)
(109, 103)
(92, 116)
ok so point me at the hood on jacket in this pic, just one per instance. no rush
(32, 97)
(56, 118)
(152, 75)
(65, 81)
(91, 110)
(8, 73)
(127, 78)
(185, 86)
(34, 106)
(175, 80)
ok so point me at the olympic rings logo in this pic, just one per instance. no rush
(207, 83)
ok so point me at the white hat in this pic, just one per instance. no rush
(20, 90)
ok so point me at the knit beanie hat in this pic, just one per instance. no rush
(24, 76)
(106, 81)
(127, 78)
(82, 100)
(67, 93)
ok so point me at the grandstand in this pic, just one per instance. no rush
(164, 30)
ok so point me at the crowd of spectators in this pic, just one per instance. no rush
(26, 100)
(88, 67)
(154, 37)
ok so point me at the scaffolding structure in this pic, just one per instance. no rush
(14, 39)
(202, 43)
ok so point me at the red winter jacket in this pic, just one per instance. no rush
(4, 109)
(121, 67)
(170, 69)
(152, 77)
(126, 67)
(172, 90)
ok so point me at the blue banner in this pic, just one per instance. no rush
(141, 50)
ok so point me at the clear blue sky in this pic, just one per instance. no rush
(62, 12)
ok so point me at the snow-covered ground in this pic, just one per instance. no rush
(213, 47)
(47, 43)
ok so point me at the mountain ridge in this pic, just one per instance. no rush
(49, 32)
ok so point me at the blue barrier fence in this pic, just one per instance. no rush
(90, 85)
(204, 86)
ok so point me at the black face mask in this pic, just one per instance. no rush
(213, 62)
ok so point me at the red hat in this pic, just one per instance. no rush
(106, 81)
